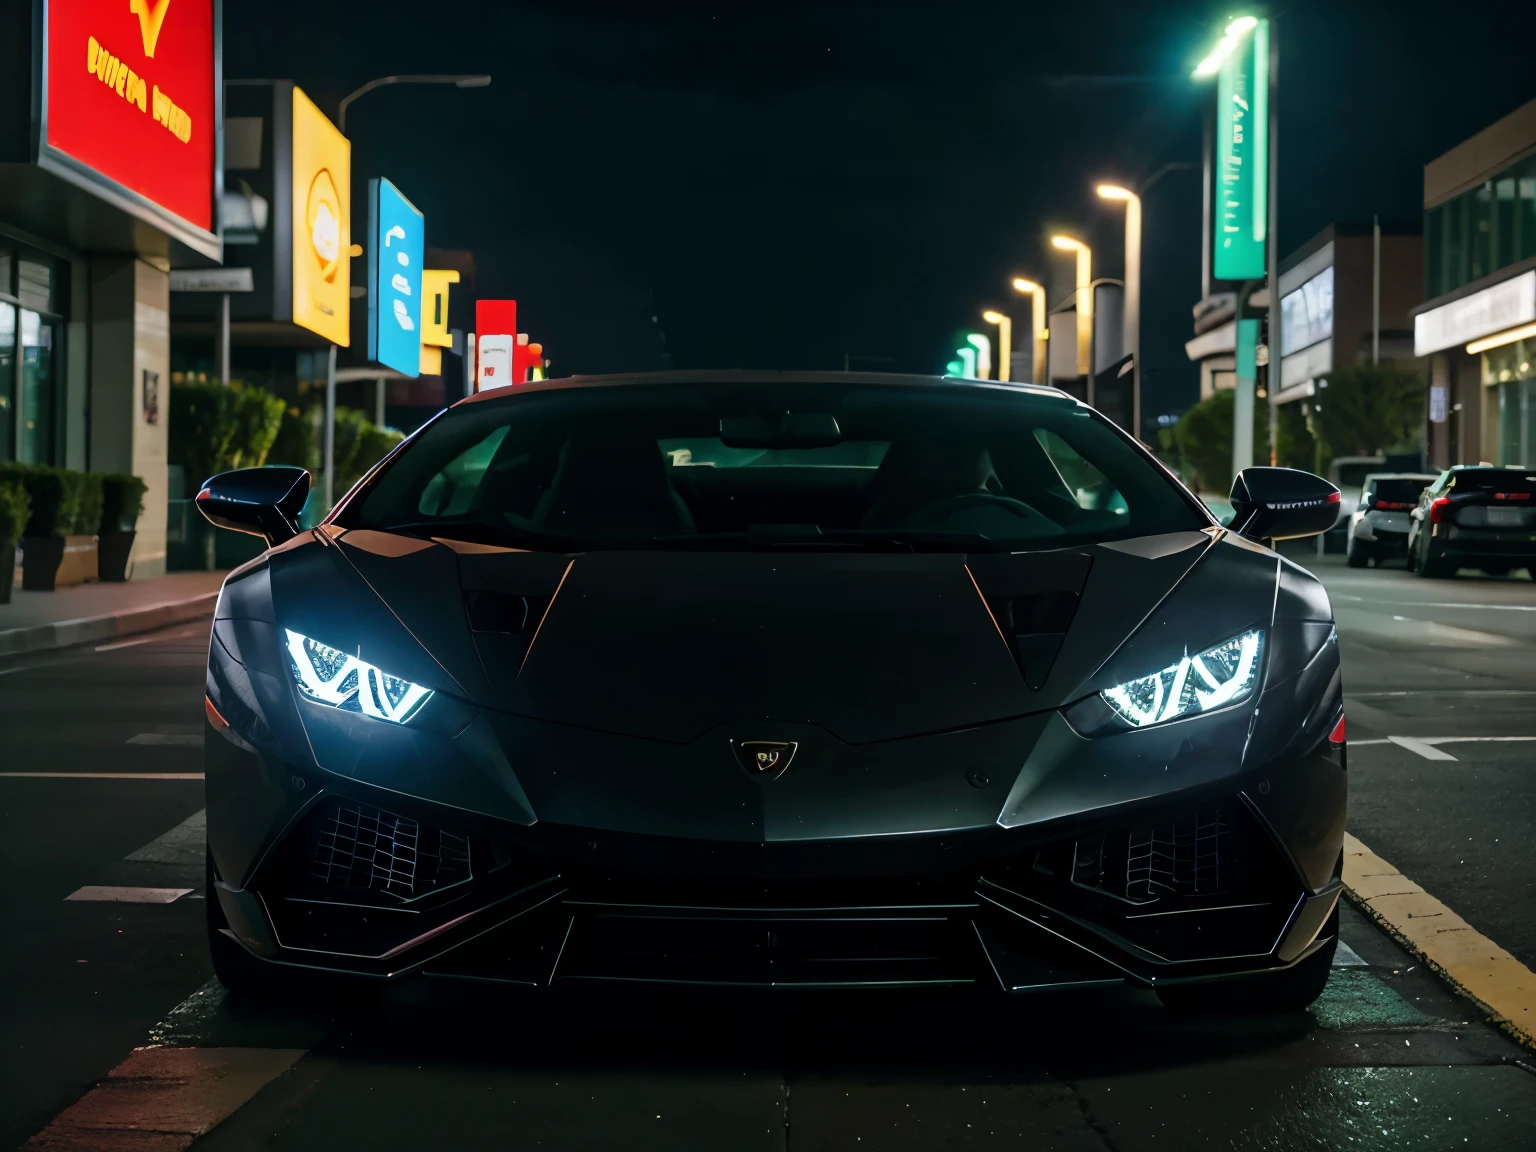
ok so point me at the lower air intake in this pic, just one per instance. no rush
(1190, 852)
(363, 847)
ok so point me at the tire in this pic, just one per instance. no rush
(1354, 555)
(1497, 569)
(1290, 990)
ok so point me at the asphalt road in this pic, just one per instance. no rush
(1391, 1057)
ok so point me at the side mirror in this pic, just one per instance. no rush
(257, 501)
(1282, 504)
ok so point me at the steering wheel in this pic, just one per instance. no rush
(941, 511)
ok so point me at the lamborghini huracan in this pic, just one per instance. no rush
(776, 680)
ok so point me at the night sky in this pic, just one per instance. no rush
(786, 183)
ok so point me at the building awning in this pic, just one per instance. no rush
(1508, 304)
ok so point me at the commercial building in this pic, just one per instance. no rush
(1328, 309)
(1477, 324)
(110, 133)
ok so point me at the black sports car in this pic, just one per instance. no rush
(776, 680)
(1475, 516)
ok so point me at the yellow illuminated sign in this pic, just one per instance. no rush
(434, 318)
(322, 224)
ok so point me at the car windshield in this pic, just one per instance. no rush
(1399, 491)
(1512, 480)
(738, 466)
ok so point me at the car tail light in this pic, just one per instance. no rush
(1391, 506)
(1337, 735)
(1334, 497)
(1437, 509)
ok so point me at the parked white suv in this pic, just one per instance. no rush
(1378, 527)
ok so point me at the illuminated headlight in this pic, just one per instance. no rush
(1215, 678)
(330, 676)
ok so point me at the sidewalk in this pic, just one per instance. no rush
(37, 620)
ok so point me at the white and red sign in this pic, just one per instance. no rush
(495, 338)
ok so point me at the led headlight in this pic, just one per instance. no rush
(329, 676)
(1215, 678)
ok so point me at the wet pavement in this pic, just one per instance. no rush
(1390, 1057)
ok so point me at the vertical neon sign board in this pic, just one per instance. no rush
(1242, 160)
(397, 238)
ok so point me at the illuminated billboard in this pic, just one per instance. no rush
(397, 241)
(131, 107)
(321, 223)
(1241, 214)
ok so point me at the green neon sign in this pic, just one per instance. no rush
(1241, 218)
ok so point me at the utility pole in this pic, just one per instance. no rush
(1375, 291)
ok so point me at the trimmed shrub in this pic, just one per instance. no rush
(88, 503)
(52, 495)
(200, 430)
(15, 511)
(122, 502)
(298, 439)
(367, 444)
(257, 415)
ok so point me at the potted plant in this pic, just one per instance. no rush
(122, 499)
(79, 562)
(13, 521)
(52, 498)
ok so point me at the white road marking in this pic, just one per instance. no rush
(1438, 604)
(167, 738)
(8, 671)
(1347, 957)
(184, 844)
(128, 895)
(1428, 751)
(103, 775)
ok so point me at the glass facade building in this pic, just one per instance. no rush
(1485, 228)
(31, 408)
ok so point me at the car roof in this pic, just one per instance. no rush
(1401, 476)
(732, 376)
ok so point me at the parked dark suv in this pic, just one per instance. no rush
(1475, 516)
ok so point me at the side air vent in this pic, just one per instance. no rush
(496, 611)
(1033, 598)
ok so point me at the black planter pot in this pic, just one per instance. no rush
(40, 558)
(7, 568)
(112, 551)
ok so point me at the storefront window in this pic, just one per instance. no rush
(7, 381)
(35, 410)
(1510, 374)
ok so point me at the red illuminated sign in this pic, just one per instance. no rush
(130, 94)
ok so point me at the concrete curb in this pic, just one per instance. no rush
(89, 629)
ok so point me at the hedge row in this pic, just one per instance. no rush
(59, 502)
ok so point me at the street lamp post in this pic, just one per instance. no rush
(1084, 304)
(1039, 370)
(1132, 319)
(1004, 341)
(457, 81)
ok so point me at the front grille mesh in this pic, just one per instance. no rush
(1179, 857)
(363, 847)
(1192, 851)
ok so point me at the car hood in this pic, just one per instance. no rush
(668, 646)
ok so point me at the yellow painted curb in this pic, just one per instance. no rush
(1499, 983)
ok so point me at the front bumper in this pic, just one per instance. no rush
(364, 880)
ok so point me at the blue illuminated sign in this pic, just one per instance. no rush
(397, 238)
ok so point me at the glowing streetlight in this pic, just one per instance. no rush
(1132, 338)
(1004, 340)
(1039, 334)
(1229, 40)
(983, 346)
(1084, 299)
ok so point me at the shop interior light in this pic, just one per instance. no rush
(1499, 339)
